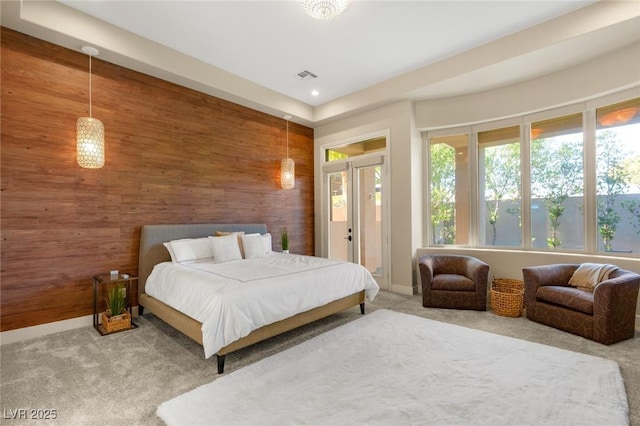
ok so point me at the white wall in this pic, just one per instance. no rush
(404, 157)
(614, 72)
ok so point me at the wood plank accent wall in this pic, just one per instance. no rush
(173, 155)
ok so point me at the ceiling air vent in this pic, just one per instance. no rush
(304, 74)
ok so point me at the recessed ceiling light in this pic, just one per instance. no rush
(314, 93)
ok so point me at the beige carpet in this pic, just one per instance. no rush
(389, 368)
(93, 380)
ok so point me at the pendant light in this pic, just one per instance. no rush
(90, 131)
(288, 166)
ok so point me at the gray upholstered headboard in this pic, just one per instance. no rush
(153, 252)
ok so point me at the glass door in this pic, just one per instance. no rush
(340, 227)
(368, 208)
(355, 225)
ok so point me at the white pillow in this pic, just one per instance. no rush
(190, 250)
(238, 234)
(170, 250)
(256, 245)
(225, 248)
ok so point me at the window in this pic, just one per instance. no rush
(557, 183)
(618, 177)
(369, 146)
(499, 209)
(449, 196)
(580, 174)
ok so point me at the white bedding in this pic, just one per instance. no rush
(232, 299)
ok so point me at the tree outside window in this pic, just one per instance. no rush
(499, 176)
(443, 179)
(557, 176)
(618, 177)
(612, 181)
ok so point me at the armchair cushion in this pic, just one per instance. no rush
(573, 298)
(452, 282)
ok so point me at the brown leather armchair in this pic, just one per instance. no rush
(453, 281)
(606, 315)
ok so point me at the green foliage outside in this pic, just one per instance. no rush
(612, 181)
(633, 207)
(557, 173)
(335, 155)
(443, 181)
(502, 181)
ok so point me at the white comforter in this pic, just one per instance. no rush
(234, 298)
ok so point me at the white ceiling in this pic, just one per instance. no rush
(376, 52)
(270, 42)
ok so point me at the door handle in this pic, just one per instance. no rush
(348, 238)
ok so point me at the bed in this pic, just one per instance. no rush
(153, 252)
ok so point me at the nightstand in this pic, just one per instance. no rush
(100, 282)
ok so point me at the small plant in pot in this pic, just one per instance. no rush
(116, 317)
(284, 240)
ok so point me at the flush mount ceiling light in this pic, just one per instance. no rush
(90, 131)
(324, 9)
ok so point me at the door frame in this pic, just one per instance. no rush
(325, 168)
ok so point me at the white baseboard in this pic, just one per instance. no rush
(26, 333)
(402, 289)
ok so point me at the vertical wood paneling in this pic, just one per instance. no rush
(173, 155)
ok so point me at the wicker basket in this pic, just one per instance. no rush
(116, 323)
(507, 297)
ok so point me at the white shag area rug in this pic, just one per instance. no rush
(389, 368)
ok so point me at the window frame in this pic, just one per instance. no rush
(454, 131)
(590, 231)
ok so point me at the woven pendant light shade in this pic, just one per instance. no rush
(288, 173)
(90, 145)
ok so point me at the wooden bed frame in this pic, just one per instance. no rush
(152, 252)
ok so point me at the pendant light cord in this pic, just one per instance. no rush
(287, 138)
(90, 86)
